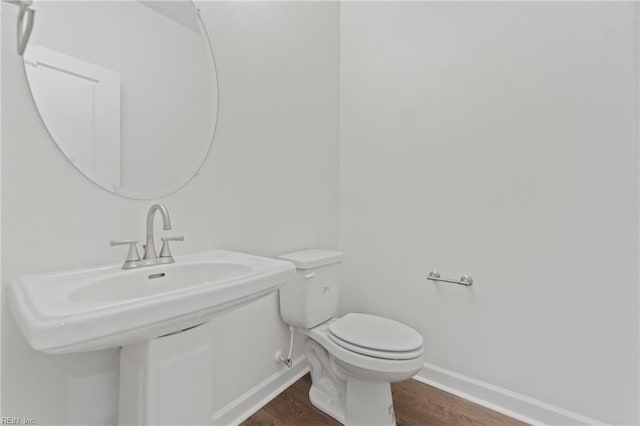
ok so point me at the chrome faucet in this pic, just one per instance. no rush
(150, 256)
(150, 247)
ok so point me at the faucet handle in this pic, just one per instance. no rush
(132, 256)
(165, 252)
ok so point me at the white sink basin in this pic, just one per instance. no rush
(122, 286)
(97, 308)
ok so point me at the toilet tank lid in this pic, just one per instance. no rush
(312, 258)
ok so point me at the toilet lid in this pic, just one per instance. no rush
(372, 333)
(397, 355)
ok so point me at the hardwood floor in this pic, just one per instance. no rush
(416, 404)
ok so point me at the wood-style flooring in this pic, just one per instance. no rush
(416, 404)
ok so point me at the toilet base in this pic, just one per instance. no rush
(325, 403)
(369, 404)
(350, 400)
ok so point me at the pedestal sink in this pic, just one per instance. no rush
(157, 315)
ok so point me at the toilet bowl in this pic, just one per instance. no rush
(353, 359)
(353, 387)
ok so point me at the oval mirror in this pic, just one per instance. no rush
(127, 90)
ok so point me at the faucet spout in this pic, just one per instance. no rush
(150, 248)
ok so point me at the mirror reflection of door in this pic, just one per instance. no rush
(80, 104)
(127, 90)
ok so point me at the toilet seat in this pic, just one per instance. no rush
(376, 336)
(391, 355)
(380, 366)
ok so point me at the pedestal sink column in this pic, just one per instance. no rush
(168, 380)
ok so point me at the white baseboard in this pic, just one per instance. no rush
(247, 404)
(504, 401)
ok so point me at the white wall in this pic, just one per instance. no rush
(276, 141)
(498, 140)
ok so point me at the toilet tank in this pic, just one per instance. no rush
(312, 296)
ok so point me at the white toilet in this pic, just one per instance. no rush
(353, 359)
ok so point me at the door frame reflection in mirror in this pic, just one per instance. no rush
(203, 154)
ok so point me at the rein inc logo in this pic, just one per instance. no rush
(17, 420)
